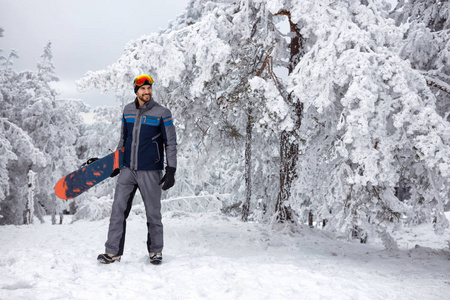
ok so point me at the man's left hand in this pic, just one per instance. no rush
(168, 179)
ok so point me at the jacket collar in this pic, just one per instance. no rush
(147, 106)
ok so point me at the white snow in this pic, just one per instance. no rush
(88, 117)
(212, 256)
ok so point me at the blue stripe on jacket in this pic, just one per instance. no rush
(168, 121)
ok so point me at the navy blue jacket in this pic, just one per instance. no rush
(147, 131)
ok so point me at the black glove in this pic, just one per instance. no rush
(89, 161)
(168, 179)
(115, 173)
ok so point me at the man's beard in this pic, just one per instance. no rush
(142, 98)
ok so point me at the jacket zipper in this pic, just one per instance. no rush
(136, 134)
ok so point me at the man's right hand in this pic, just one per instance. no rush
(115, 173)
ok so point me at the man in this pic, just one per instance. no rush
(147, 129)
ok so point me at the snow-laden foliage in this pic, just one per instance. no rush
(370, 123)
(23, 155)
(96, 208)
(7, 155)
(101, 134)
(427, 45)
(38, 136)
(432, 13)
(367, 140)
(203, 80)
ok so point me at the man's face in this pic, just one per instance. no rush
(144, 93)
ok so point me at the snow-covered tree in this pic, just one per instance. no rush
(369, 121)
(427, 45)
(40, 131)
(7, 155)
(23, 155)
(53, 126)
(19, 151)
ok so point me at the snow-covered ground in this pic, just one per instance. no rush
(211, 256)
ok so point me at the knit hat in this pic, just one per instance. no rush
(141, 81)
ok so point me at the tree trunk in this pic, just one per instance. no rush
(248, 166)
(288, 142)
(29, 214)
(288, 156)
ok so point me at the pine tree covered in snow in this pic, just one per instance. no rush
(20, 156)
(20, 153)
(39, 134)
(53, 126)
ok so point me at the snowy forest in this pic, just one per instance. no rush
(334, 114)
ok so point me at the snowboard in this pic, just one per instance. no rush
(79, 181)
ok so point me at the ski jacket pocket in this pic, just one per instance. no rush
(157, 152)
(157, 146)
(152, 121)
(156, 136)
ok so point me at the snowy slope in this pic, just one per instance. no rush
(210, 256)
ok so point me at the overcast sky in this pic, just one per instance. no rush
(86, 35)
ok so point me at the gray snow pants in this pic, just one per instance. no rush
(148, 183)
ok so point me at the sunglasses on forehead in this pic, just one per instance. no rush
(140, 80)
